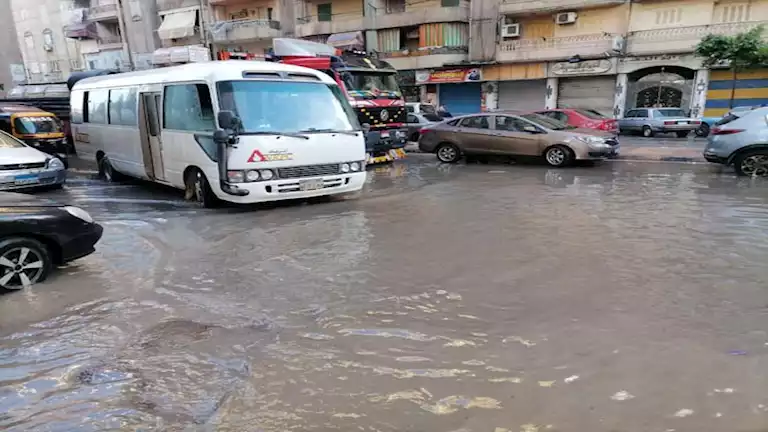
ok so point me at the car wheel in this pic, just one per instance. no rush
(23, 262)
(198, 189)
(682, 134)
(752, 163)
(647, 132)
(107, 172)
(558, 156)
(703, 130)
(448, 153)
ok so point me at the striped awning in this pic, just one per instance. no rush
(178, 25)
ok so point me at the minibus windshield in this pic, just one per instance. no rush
(287, 107)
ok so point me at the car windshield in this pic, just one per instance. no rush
(546, 122)
(591, 114)
(303, 106)
(371, 85)
(7, 141)
(670, 113)
(36, 125)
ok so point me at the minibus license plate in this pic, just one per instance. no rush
(310, 185)
(26, 179)
(385, 134)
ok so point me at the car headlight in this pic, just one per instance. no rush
(266, 174)
(354, 166)
(55, 164)
(252, 175)
(235, 176)
(79, 213)
(345, 167)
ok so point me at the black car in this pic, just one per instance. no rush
(37, 234)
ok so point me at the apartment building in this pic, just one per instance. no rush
(610, 55)
(245, 30)
(12, 71)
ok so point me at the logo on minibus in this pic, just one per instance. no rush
(272, 156)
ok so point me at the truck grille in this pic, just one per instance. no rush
(12, 167)
(307, 171)
(372, 116)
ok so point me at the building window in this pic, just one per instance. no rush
(324, 12)
(48, 40)
(395, 6)
(269, 14)
(29, 41)
(669, 16)
(449, 3)
(734, 13)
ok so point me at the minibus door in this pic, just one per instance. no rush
(152, 145)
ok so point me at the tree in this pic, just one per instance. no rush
(740, 52)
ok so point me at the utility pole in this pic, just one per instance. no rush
(124, 34)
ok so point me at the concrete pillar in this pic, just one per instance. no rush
(423, 93)
(491, 96)
(699, 94)
(620, 96)
(550, 102)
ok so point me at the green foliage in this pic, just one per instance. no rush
(742, 51)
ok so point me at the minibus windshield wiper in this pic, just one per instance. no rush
(312, 130)
(285, 134)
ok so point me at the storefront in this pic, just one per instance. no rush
(588, 84)
(522, 95)
(458, 90)
(518, 86)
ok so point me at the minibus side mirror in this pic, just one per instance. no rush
(228, 120)
(220, 135)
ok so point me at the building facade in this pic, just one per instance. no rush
(10, 56)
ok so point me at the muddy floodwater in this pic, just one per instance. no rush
(480, 298)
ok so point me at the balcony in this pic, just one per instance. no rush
(536, 6)
(526, 50)
(110, 43)
(341, 23)
(244, 30)
(103, 12)
(417, 14)
(680, 39)
(424, 59)
(166, 5)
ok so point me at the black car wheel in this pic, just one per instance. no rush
(448, 153)
(198, 189)
(108, 172)
(558, 156)
(682, 134)
(752, 163)
(23, 262)
(647, 132)
(703, 130)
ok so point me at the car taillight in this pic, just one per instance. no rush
(719, 131)
(607, 125)
(669, 122)
(422, 131)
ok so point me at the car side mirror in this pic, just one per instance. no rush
(531, 129)
(228, 120)
(366, 127)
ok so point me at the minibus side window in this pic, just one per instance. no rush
(188, 107)
(97, 106)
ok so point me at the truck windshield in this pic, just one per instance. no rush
(36, 125)
(287, 107)
(371, 85)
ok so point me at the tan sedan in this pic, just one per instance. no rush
(516, 134)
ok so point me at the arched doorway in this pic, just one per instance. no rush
(660, 86)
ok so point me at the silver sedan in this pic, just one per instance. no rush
(650, 121)
(22, 167)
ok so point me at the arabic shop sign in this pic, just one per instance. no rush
(586, 67)
(448, 76)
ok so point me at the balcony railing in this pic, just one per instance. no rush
(102, 12)
(535, 6)
(555, 48)
(244, 30)
(416, 14)
(339, 23)
(164, 5)
(109, 42)
(681, 39)
(427, 58)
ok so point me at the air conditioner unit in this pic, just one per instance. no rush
(618, 44)
(510, 30)
(566, 18)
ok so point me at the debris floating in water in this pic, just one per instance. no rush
(622, 396)
(571, 378)
(685, 412)
(546, 383)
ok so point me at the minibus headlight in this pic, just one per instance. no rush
(345, 167)
(354, 166)
(266, 174)
(235, 176)
(252, 175)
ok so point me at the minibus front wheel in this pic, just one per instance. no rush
(198, 189)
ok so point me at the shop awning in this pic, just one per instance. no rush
(178, 25)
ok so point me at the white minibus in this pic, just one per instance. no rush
(236, 131)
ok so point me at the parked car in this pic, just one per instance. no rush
(417, 122)
(427, 110)
(739, 140)
(516, 134)
(582, 118)
(650, 121)
(707, 123)
(37, 234)
(22, 167)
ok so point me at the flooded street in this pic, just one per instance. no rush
(479, 298)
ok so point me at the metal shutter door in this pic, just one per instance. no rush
(460, 99)
(588, 92)
(522, 95)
